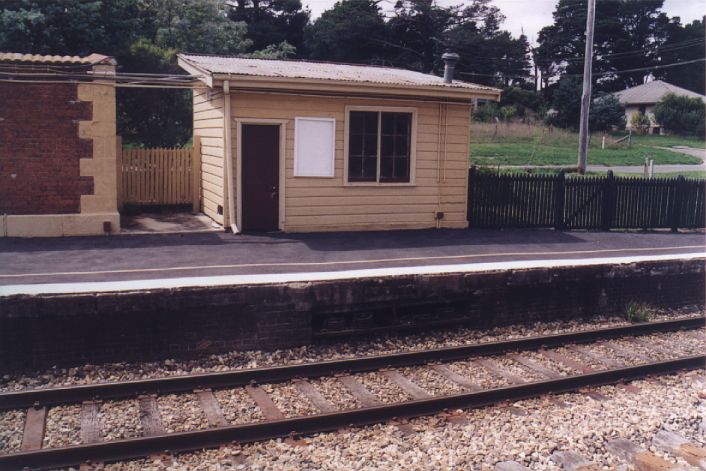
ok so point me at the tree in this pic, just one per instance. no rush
(566, 104)
(628, 34)
(523, 100)
(69, 27)
(606, 112)
(491, 57)
(197, 26)
(351, 31)
(421, 31)
(684, 43)
(153, 117)
(681, 114)
(271, 21)
(162, 117)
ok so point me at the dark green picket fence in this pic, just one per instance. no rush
(575, 202)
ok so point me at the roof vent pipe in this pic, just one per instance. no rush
(450, 59)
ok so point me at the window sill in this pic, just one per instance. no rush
(384, 184)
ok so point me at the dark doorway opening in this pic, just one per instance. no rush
(260, 177)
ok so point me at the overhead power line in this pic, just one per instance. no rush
(612, 72)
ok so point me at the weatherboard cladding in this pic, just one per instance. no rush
(295, 69)
(652, 92)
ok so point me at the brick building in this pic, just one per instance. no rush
(58, 168)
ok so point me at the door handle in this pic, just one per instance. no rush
(274, 193)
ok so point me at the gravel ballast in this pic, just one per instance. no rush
(237, 406)
(524, 437)
(494, 434)
(181, 413)
(386, 391)
(336, 393)
(289, 400)
(63, 426)
(88, 374)
(11, 426)
(120, 419)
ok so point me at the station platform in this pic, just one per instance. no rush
(128, 262)
(95, 299)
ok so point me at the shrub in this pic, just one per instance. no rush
(640, 123)
(606, 112)
(508, 112)
(681, 115)
(524, 100)
(486, 113)
(638, 312)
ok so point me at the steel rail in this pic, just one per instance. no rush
(259, 431)
(277, 374)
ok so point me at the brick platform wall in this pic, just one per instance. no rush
(41, 147)
(41, 331)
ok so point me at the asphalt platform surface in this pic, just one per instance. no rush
(170, 256)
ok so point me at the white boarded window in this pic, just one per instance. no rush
(314, 147)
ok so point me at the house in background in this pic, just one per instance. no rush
(307, 146)
(58, 168)
(643, 98)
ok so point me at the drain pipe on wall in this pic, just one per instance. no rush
(228, 155)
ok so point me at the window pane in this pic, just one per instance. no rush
(371, 144)
(386, 167)
(401, 170)
(388, 123)
(355, 166)
(370, 167)
(387, 146)
(371, 122)
(401, 145)
(356, 145)
(402, 123)
(394, 146)
(357, 122)
(362, 146)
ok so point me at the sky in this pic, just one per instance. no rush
(532, 15)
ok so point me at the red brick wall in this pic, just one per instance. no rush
(39, 144)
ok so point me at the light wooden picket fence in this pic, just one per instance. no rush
(159, 176)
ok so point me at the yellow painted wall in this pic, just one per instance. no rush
(327, 204)
(208, 124)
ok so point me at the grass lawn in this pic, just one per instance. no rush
(520, 144)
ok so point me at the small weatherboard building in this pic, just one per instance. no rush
(307, 146)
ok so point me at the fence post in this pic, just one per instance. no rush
(196, 175)
(559, 191)
(676, 208)
(609, 201)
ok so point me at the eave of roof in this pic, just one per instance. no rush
(92, 59)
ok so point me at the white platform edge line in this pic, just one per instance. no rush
(275, 278)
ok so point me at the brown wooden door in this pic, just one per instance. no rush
(260, 179)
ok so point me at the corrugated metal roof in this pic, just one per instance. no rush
(321, 71)
(92, 59)
(652, 92)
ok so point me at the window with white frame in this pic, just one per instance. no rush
(314, 147)
(380, 145)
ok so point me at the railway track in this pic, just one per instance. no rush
(519, 368)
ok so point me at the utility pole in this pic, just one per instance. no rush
(586, 95)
